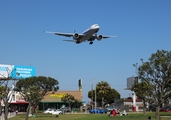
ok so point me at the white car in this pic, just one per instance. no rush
(57, 112)
(53, 111)
(49, 111)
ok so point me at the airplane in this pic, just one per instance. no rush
(88, 35)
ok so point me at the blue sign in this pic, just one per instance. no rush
(19, 72)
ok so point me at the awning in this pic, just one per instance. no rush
(19, 103)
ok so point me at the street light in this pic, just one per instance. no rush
(95, 95)
(135, 81)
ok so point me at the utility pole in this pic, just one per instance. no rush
(92, 95)
(133, 93)
(95, 95)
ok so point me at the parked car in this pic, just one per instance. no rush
(166, 109)
(152, 108)
(10, 111)
(98, 111)
(65, 109)
(57, 112)
(51, 111)
(109, 108)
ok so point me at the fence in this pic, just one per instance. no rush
(10, 115)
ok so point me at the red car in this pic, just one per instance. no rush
(165, 110)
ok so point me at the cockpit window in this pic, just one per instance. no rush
(95, 26)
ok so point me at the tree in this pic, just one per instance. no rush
(5, 96)
(143, 91)
(68, 98)
(102, 88)
(33, 89)
(157, 73)
(6, 91)
(109, 96)
(77, 103)
(91, 95)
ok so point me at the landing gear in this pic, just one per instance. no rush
(77, 42)
(91, 43)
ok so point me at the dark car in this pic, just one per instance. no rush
(109, 108)
(66, 109)
(152, 108)
(10, 111)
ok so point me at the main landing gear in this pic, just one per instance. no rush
(91, 43)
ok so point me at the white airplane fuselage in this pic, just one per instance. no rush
(88, 33)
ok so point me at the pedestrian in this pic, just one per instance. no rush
(124, 113)
(16, 111)
(110, 113)
(149, 118)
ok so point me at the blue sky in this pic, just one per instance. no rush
(142, 27)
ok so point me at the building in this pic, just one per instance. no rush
(53, 100)
(17, 102)
(129, 102)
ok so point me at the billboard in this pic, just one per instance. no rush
(131, 81)
(16, 72)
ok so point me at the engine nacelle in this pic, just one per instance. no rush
(99, 37)
(76, 36)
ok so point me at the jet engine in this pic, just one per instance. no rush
(99, 37)
(76, 36)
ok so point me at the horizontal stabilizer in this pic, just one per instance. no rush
(114, 36)
(69, 40)
(48, 32)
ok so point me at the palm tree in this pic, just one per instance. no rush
(103, 87)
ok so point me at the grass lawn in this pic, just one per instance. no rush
(133, 116)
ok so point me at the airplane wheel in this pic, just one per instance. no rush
(91, 43)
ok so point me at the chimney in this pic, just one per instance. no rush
(80, 84)
(80, 87)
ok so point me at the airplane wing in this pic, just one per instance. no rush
(99, 37)
(108, 36)
(61, 34)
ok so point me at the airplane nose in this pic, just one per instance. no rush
(95, 26)
(97, 29)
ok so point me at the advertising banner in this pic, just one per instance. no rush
(16, 72)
